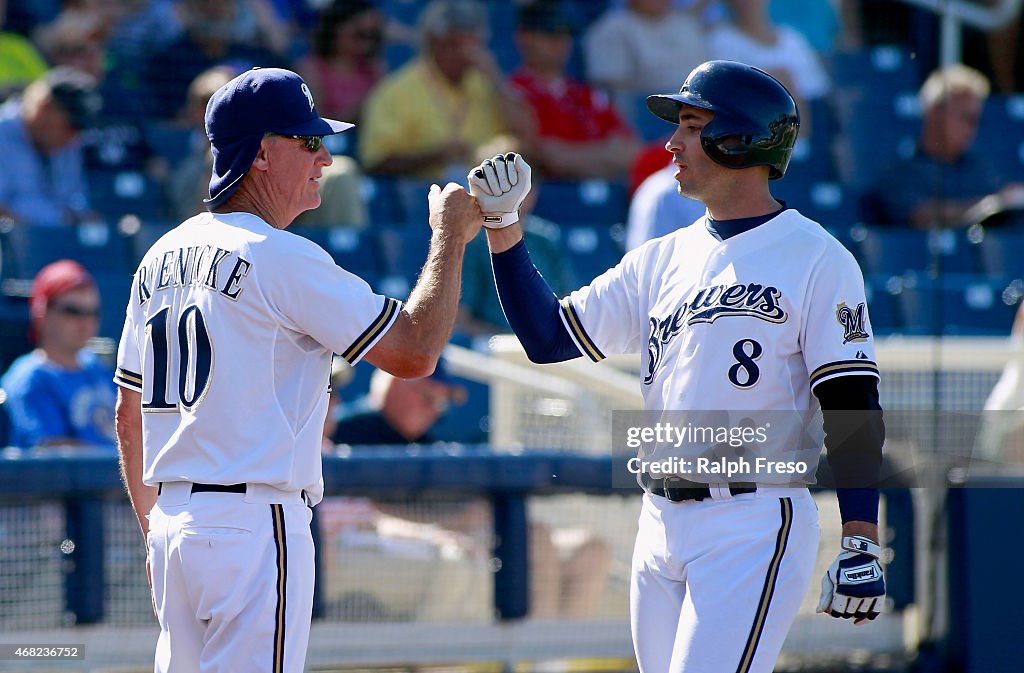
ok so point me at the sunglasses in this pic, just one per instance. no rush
(75, 311)
(311, 143)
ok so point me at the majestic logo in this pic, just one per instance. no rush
(707, 305)
(308, 94)
(852, 321)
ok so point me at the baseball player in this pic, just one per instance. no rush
(753, 307)
(223, 368)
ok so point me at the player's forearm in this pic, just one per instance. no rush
(128, 419)
(500, 240)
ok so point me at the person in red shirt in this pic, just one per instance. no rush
(579, 132)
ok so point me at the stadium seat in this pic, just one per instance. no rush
(97, 246)
(889, 251)
(114, 289)
(116, 193)
(403, 251)
(586, 201)
(999, 250)
(1001, 134)
(352, 250)
(883, 306)
(412, 199)
(877, 129)
(880, 68)
(591, 249)
(962, 304)
(173, 142)
(382, 203)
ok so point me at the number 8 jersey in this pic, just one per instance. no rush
(753, 322)
(229, 334)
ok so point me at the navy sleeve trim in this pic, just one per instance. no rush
(572, 321)
(128, 379)
(365, 341)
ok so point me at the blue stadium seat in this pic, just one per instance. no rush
(412, 199)
(96, 246)
(173, 142)
(116, 193)
(382, 202)
(881, 68)
(962, 304)
(1001, 134)
(883, 306)
(403, 251)
(889, 251)
(586, 201)
(114, 289)
(592, 249)
(877, 129)
(352, 250)
(999, 250)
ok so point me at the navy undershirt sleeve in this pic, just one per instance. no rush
(531, 307)
(854, 434)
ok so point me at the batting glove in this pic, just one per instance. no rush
(500, 185)
(853, 586)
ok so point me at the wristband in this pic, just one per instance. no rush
(500, 220)
(861, 545)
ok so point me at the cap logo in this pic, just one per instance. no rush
(308, 94)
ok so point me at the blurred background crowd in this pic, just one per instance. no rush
(914, 164)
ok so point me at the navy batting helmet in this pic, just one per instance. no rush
(756, 120)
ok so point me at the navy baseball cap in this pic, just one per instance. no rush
(259, 101)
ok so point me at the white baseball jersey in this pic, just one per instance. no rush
(228, 336)
(753, 322)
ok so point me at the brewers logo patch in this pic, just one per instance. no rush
(852, 322)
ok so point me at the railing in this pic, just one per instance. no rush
(954, 13)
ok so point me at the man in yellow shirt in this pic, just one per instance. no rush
(428, 118)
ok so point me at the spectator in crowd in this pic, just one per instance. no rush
(20, 63)
(60, 393)
(213, 33)
(347, 57)
(42, 182)
(189, 184)
(401, 411)
(428, 118)
(480, 311)
(643, 47)
(752, 37)
(579, 132)
(569, 567)
(945, 178)
(76, 38)
(657, 208)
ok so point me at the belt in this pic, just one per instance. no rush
(211, 488)
(674, 489)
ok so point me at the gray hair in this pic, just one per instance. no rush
(442, 17)
(952, 80)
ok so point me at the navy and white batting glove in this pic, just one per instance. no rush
(500, 185)
(853, 586)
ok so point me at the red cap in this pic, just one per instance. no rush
(53, 280)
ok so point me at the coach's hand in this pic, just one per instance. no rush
(853, 586)
(454, 211)
(500, 185)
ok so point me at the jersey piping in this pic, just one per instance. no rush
(843, 368)
(369, 337)
(128, 379)
(572, 323)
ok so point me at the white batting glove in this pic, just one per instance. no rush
(500, 185)
(853, 586)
